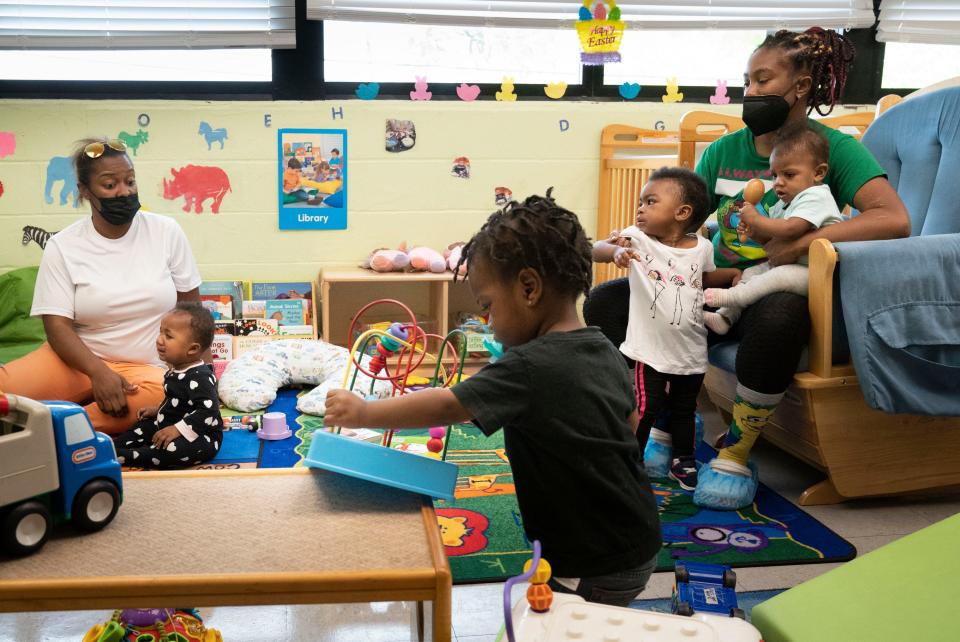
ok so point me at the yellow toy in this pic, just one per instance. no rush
(555, 90)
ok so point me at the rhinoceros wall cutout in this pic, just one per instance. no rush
(197, 183)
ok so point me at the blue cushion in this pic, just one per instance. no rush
(918, 144)
(334, 200)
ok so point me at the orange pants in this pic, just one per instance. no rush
(43, 375)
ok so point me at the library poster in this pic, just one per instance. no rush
(312, 178)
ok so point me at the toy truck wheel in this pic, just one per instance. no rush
(95, 505)
(681, 574)
(684, 609)
(735, 612)
(25, 528)
(729, 579)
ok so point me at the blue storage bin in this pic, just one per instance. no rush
(382, 465)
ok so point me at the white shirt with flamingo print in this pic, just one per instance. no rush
(666, 330)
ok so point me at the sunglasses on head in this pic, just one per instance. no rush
(96, 149)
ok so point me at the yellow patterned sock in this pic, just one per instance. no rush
(751, 411)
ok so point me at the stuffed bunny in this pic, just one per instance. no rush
(425, 259)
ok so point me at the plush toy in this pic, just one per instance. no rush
(452, 254)
(425, 259)
(386, 260)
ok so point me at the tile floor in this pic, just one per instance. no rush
(477, 609)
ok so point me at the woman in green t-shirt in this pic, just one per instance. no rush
(787, 77)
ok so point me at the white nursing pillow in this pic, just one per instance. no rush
(250, 382)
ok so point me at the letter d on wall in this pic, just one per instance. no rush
(564, 124)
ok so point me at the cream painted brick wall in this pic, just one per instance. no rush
(392, 197)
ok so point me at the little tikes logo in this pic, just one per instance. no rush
(84, 454)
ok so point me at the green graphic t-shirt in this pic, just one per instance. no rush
(728, 163)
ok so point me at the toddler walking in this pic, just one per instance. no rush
(668, 262)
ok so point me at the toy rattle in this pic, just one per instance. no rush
(752, 194)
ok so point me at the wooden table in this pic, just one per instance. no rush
(242, 537)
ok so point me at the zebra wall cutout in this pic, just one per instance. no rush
(36, 234)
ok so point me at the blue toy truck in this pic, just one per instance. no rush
(705, 588)
(53, 466)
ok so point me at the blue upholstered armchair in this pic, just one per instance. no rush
(882, 416)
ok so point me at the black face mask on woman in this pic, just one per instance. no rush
(764, 114)
(119, 210)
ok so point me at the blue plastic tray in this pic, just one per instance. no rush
(382, 465)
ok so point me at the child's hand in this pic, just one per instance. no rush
(344, 409)
(743, 231)
(749, 213)
(623, 256)
(148, 411)
(165, 436)
(736, 277)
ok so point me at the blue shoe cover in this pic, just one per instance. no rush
(657, 458)
(721, 490)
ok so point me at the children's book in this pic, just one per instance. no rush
(224, 327)
(220, 305)
(243, 343)
(254, 309)
(287, 311)
(263, 327)
(291, 331)
(222, 347)
(236, 290)
(267, 290)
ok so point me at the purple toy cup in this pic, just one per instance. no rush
(274, 426)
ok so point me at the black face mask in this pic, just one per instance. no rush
(764, 114)
(119, 210)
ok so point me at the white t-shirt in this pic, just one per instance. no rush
(814, 205)
(665, 330)
(116, 290)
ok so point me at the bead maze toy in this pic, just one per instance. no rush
(153, 625)
(398, 352)
(561, 617)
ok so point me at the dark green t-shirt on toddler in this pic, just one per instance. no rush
(564, 402)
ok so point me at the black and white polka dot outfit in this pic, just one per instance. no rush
(191, 404)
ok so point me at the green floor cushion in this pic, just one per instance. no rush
(19, 332)
(905, 590)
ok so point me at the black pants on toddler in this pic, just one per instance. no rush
(652, 397)
(615, 589)
(137, 449)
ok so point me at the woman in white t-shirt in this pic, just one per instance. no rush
(104, 283)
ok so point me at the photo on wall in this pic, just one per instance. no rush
(312, 178)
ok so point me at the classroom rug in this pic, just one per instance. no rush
(484, 537)
(746, 601)
(482, 529)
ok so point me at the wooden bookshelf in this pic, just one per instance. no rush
(435, 299)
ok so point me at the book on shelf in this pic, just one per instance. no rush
(263, 327)
(219, 305)
(273, 290)
(254, 309)
(249, 342)
(295, 331)
(236, 290)
(222, 347)
(287, 311)
(225, 327)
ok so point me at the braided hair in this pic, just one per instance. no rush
(536, 234)
(825, 53)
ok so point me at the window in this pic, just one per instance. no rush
(693, 57)
(368, 51)
(915, 65)
(76, 429)
(213, 65)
